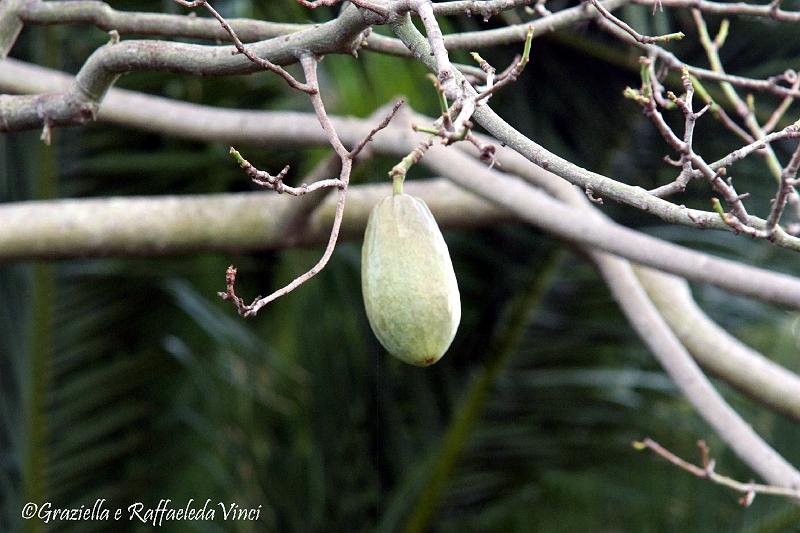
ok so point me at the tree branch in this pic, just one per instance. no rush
(661, 341)
(103, 67)
(711, 346)
(104, 17)
(717, 350)
(223, 223)
(586, 180)
(707, 471)
(309, 63)
(646, 39)
(771, 10)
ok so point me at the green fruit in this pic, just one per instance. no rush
(410, 290)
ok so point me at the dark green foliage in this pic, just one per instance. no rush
(130, 380)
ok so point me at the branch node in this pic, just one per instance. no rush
(114, 37)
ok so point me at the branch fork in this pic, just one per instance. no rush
(347, 157)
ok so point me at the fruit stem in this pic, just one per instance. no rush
(397, 183)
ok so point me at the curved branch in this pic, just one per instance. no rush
(717, 350)
(771, 10)
(105, 17)
(105, 65)
(714, 348)
(655, 333)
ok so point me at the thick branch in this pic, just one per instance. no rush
(157, 24)
(594, 231)
(716, 350)
(771, 10)
(231, 223)
(661, 341)
(103, 16)
(197, 122)
(103, 67)
(10, 24)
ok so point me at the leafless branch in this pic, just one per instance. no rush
(376, 8)
(771, 10)
(382, 125)
(229, 223)
(80, 101)
(268, 181)
(707, 471)
(780, 111)
(242, 49)
(684, 147)
(645, 39)
(717, 351)
(740, 219)
(791, 131)
(309, 63)
(785, 190)
(483, 8)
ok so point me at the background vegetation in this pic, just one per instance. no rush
(129, 380)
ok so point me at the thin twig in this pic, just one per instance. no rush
(384, 123)
(745, 110)
(242, 49)
(771, 10)
(644, 39)
(309, 63)
(777, 115)
(785, 190)
(707, 471)
(268, 181)
(511, 74)
(791, 131)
